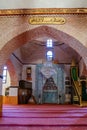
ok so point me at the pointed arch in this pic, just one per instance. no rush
(38, 32)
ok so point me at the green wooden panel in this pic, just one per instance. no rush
(84, 94)
(74, 73)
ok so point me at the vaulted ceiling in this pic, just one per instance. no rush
(35, 52)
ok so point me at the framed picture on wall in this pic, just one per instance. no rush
(29, 73)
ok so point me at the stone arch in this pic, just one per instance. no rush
(12, 73)
(37, 32)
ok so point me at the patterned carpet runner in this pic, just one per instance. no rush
(43, 117)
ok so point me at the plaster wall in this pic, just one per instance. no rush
(14, 4)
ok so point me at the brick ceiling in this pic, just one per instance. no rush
(35, 52)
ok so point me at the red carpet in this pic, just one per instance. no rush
(44, 117)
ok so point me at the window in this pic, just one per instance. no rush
(49, 43)
(4, 74)
(49, 55)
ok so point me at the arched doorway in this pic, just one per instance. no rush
(40, 32)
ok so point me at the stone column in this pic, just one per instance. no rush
(1, 97)
(85, 61)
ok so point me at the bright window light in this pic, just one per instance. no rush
(4, 74)
(49, 43)
(49, 55)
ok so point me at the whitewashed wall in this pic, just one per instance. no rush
(13, 92)
(67, 70)
(7, 84)
(12, 4)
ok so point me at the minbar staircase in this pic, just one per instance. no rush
(77, 88)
